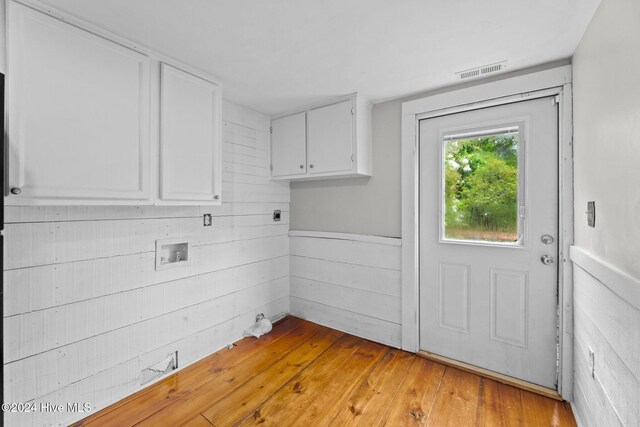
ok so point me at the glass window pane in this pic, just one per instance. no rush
(481, 187)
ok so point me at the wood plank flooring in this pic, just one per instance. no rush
(308, 375)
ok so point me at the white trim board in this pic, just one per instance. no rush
(393, 241)
(620, 283)
(553, 81)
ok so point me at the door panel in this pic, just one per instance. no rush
(330, 138)
(79, 122)
(190, 137)
(288, 145)
(488, 192)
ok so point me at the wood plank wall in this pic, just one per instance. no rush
(85, 310)
(609, 324)
(348, 284)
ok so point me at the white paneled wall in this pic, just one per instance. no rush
(85, 310)
(607, 322)
(347, 282)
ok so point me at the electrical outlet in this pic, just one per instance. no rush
(206, 220)
(592, 363)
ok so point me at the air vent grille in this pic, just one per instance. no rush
(481, 71)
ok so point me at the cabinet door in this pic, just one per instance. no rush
(78, 114)
(330, 136)
(288, 146)
(190, 119)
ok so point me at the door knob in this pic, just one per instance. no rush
(546, 259)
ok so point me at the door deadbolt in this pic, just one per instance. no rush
(547, 239)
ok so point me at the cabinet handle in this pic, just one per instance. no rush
(16, 191)
(301, 166)
(216, 197)
(311, 166)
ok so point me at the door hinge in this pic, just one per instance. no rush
(271, 130)
(555, 100)
(353, 111)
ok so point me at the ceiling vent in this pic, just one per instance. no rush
(482, 71)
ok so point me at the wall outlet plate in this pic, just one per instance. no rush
(207, 220)
(591, 214)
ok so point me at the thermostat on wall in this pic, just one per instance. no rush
(172, 253)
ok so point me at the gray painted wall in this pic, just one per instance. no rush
(357, 205)
(369, 205)
(607, 134)
(606, 153)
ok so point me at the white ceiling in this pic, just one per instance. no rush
(277, 55)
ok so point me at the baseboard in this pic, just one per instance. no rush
(576, 415)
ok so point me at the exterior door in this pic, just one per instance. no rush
(488, 238)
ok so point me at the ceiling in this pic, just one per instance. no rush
(278, 55)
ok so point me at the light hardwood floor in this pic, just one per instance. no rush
(303, 374)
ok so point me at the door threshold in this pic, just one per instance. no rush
(505, 379)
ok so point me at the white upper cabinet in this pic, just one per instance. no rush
(92, 121)
(190, 118)
(78, 114)
(335, 143)
(288, 155)
(331, 139)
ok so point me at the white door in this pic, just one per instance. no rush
(289, 145)
(330, 138)
(488, 238)
(190, 119)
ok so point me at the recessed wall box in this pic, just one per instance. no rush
(172, 253)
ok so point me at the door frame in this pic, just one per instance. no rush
(551, 82)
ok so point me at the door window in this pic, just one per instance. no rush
(481, 192)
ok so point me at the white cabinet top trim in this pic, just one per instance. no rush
(354, 95)
(86, 26)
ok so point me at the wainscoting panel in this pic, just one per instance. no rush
(347, 282)
(85, 309)
(607, 320)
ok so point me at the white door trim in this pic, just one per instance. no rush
(556, 81)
